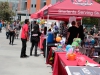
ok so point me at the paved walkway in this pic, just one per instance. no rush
(12, 64)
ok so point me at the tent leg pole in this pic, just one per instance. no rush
(81, 21)
(46, 37)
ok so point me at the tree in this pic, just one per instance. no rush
(5, 12)
(98, 1)
(98, 18)
(92, 21)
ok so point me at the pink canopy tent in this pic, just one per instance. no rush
(40, 12)
(44, 8)
(75, 8)
(35, 15)
(57, 17)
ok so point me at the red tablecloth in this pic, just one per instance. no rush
(61, 61)
(50, 55)
(41, 42)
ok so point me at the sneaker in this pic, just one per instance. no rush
(30, 54)
(26, 56)
(36, 55)
(22, 56)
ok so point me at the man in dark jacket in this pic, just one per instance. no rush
(81, 33)
(35, 38)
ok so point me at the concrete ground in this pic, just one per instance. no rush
(12, 64)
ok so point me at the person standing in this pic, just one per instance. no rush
(73, 32)
(35, 37)
(81, 33)
(0, 26)
(24, 38)
(17, 29)
(12, 33)
(94, 29)
(7, 30)
(65, 30)
(56, 29)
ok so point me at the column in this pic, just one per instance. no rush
(38, 5)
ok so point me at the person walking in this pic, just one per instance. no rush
(24, 38)
(35, 37)
(12, 33)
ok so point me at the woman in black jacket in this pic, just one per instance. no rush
(35, 38)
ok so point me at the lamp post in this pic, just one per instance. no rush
(16, 14)
(27, 14)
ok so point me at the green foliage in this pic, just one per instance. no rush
(90, 21)
(98, 1)
(5, 12)
(22, 23)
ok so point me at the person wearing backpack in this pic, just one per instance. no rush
(35, 38)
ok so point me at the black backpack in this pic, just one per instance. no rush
(35, 31)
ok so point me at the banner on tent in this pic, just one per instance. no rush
(79, 12)
(82, 2)
(45, 12)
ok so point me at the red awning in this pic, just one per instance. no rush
(34, 15)
(62, 18)
(75, 8)
(40, 12)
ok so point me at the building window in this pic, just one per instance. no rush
(44, 3)
(35, 5)
(32, 5)
(25, 5)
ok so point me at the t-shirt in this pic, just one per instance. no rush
(50, 38)
(12, 27)
(17, 26)
(56, 29)
(65, 30)
(24, 30)
(94, 29)
(73, 32)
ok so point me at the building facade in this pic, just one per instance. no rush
(36, 5)
(23, 7)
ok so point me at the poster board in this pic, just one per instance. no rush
(82, 70)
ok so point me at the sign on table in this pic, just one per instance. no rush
(82, 70)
